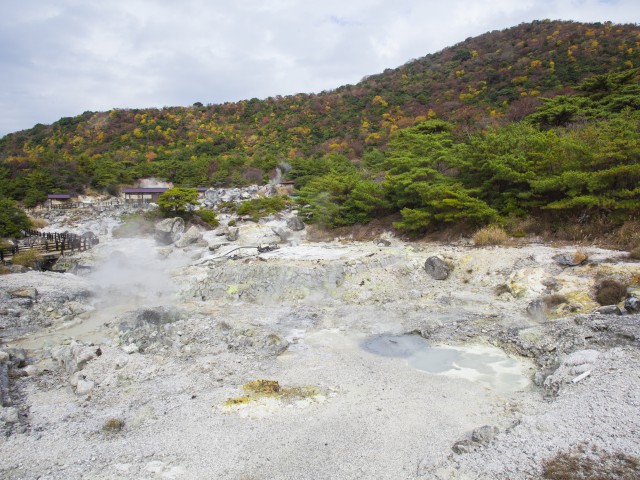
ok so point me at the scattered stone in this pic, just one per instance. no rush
(84, 387)
(485, 434)
(30, 293)
(381, 242)
(232, 234)
(464, 446)
(74, 357)
(10, 415)
(436, 268)
(536, 310)
(131, 348)
(17, 269)
(609, 310)
(31, 370)
(571, 259)
(632, 304)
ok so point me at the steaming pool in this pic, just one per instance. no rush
(484, 364)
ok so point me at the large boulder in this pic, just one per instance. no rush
(436, 268)
(283, 233)
(169, 230)
(211, 197)
(192, 235)
(295, 224)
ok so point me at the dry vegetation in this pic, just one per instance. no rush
(38, 222)
(491, 235)
(591, 463)
(610, 291)
(28, 258)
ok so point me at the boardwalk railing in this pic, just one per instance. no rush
(72, 205)
(49, 244)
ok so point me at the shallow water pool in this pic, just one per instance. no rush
(478, 363)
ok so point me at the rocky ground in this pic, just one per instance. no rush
(247, 352)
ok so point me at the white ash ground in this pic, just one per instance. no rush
(299, 315)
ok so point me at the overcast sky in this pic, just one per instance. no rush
(62, 57)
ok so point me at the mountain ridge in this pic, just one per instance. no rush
(492, 79)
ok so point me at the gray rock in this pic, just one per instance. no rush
(570, 259)
(148, 328)
(536, 310)
(131, 348)
(295, 224)
(233, 234)
(436, 268)
(632, 304)
(30, 293)
(169, 230)
(10, 415)
(381, 242)
(210, 197)
(485, 434)
(608, 310)
(17, 356)
(282, 233)
(464, 446)
(192, 235)
(74, 357)
(84, 387)
(275, 344)
(18, 269)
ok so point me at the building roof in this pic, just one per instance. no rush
(58, 196)
(146, 190)
(156, 190)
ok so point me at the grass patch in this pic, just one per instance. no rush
(591, 463)
(491, 235)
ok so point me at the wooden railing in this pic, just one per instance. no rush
(48, 244)
(72, 205)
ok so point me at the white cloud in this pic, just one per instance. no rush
(63, 57)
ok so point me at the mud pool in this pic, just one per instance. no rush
(485, 364)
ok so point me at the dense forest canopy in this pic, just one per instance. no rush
(536, 118)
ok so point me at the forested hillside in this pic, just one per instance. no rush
(468, 134)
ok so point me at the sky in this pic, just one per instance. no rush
(59, 58)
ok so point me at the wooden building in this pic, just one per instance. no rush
(58, 199)
(150, 194)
